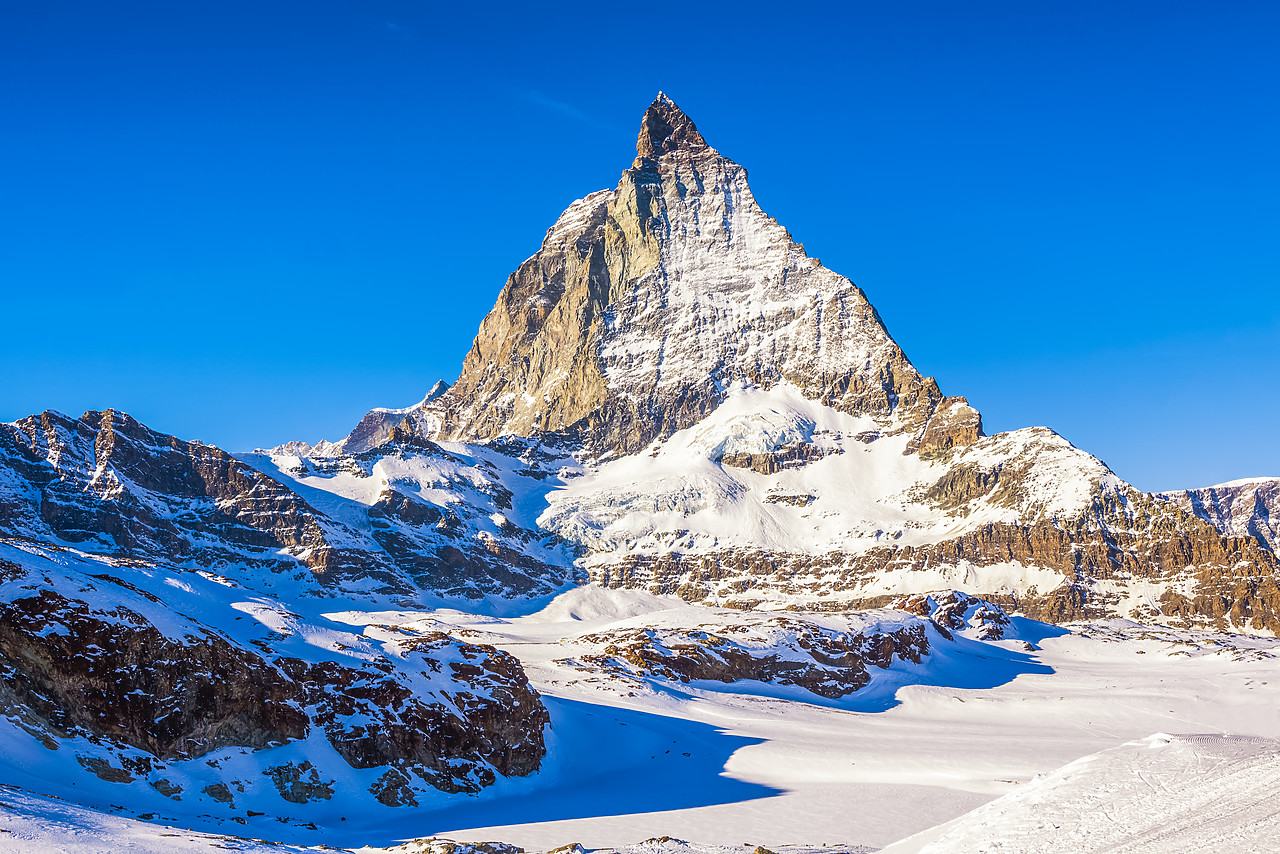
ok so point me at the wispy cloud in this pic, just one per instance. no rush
(398, 30)
(533, 96)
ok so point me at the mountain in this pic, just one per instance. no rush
(648, 302)
(107, 484)
(751, 434)
(669, 398)
(168, 615)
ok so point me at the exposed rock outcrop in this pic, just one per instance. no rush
(956, 611)
(794, 455)
(777, 650)
(98, 658)
(115, 674)
(953, 424)
(1244, 508)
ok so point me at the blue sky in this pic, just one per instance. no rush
(251, 222)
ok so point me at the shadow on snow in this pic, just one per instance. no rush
(605, 761)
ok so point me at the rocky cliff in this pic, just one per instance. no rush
(1242, 508)
(220, 696)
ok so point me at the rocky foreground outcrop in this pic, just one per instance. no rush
(143, 672)
(829, 657)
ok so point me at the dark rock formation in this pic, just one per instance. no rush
(781, 650)
(956, 611)
(115, 674)
(98, 658)
(794, 455)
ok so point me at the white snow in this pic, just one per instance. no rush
(864, 493)
(636, 757)
(929, 743)
(1244, 481)
(1163, 793)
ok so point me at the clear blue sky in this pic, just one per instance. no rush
(251, 222)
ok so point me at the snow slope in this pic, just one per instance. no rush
(862, 492)
(1163, 793)
(30, 824)
(769, 765)
(633, 756)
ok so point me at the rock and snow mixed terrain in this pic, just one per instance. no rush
(689, 549)
(711, 762)
(1241, 508)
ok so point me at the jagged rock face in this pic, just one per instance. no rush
(1247, 508)
(115, 674)
(142, 685)
(377, 427)
(646, 301)
(953, 424)
(956, 611)
(374, 719)
(1161, 566)
(109, 484)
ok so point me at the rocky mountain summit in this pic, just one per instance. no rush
(752, 434)
(648, 301)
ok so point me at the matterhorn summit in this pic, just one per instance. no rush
(648, 301)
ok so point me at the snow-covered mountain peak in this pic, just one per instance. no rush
(646, 302)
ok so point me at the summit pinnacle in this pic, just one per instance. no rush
(664, 128)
